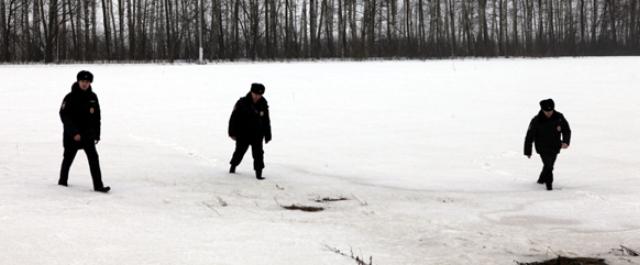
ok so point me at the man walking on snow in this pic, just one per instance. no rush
(80, 114)
(248, 126)
(550, 131)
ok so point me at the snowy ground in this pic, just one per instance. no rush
(429, 155)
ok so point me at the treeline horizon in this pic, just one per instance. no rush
(55, 31)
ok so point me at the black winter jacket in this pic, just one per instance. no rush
(250, 121)
(80, 114)
(548, 133)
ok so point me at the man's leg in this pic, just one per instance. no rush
(541, 177)
(548, 161)
(69, 155)
(241, 149)
(258, 157)
(94, 165)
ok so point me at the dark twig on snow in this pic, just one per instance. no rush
(222, 202)
(568, 261)
(330, 199)
(629, 251)
(299, 207)
(211, 207)
(358, 259)
(362, 202)
(302, 208)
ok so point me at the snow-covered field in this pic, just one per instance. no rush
(428, 154)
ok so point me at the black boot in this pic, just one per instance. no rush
(259, 174)
(62, 183)
(549, 186)
(103, 189)
(232, 169)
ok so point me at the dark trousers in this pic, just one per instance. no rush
(548, 160)
(94, 164)
(256, 151)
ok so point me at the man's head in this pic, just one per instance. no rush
(547, 106)
(85, 78)
(257, 90)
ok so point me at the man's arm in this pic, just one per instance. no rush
(65, 116)
(566, 132)
(233, 121)
(529, 138)
(97, 121)
(267, 133)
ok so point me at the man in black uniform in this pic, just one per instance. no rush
(80, 114)
(248, 126)
(550, 131)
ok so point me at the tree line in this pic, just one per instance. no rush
(149, 30)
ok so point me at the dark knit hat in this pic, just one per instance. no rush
(257, 88)
(547, 104)
(85, 75)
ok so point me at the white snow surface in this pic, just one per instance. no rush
(428, 154)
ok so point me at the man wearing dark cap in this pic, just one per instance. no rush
(550, 131)
(249, 125)
(80, 114)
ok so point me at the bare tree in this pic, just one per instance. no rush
(107, 27)
(612, 21)
(452, 20)
(466, 22)
(633, 24)
(51, 31)
(514, 23)
(342, 29)
(551, 30)
(218, 27)
(131, 25)
(328, 10)
(483, 33)
(313, 27)
(303, 29)
(392, 27)
(408, 18)
(421, 26)
(5, 27)
(94, 31)
(121, 18)
(582, 23)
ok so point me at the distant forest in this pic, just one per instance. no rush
(166, 30)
